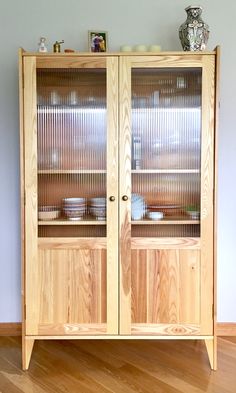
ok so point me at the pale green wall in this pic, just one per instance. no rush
(130, 22)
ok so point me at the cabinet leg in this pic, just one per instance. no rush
(211, 346)
(27, 347)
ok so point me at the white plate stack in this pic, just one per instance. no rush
(138, 207)
(74, 208)
(97, 208)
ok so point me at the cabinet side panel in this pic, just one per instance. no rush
(207, 194)
(30, 147)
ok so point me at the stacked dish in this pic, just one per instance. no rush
(74, 208)
(97, 208)
(48, 213)
(138, 207)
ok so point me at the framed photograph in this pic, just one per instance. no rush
(97, 41)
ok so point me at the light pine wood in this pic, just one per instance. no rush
(180, 221)
(22, 185)
(72, 243)
(151, 334)
(31, 201)
(165, 287)
(112, 190)
(217, 109)
(125, 190)
(168, 61)
(78, 329)
(207, 194)
(160, 330)
(70, 62)
(110, 366)
(72, 289)
(68, 222)
(111, 54)
(165, 171)
(91, 287)
(165, 243)
(222, 329)
(70, 171)
(27, 348)
(211, 351)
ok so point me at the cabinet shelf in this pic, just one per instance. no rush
(165, 221)
(149, 171)
(70, 171)
(87, 221)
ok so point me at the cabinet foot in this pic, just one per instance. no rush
(212, 352)
(27, 347)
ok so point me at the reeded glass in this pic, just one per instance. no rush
(166, 151)
(71, 120)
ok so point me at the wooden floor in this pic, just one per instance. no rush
(117, 366)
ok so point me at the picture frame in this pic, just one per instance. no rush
(97, 41)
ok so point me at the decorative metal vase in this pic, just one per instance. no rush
(194, 33)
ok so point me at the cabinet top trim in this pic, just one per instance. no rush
(118, 54)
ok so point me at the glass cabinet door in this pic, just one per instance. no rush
(76, 192)
(166, 152)
(166, 205)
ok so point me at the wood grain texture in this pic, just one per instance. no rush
(27, 348)
(72, 289)
(120, 367)
(112, 190)
(207, 193)
(165, 287)
(165, 243)
(70, 62)
(216, 142)
(125, 189)
(227, 329)
(167, 61)
(22, 186)
(97, 243)
(31, 201)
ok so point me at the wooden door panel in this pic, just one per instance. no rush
(165, 286)
(71, 291)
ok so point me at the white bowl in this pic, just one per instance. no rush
(155, 215)
(48, 213)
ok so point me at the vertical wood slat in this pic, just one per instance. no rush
(207, 193)
(125, 189)
(112, 190)
(31, 233)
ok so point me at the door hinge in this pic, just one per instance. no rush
(25, 311)
(213, 311)
(24, 198)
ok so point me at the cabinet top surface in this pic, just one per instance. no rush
(105, 54)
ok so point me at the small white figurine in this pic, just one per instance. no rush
(42, 46)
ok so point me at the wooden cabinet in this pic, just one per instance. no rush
(117, 168)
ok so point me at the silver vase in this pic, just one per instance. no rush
(194, 33)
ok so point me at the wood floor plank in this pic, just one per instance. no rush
(111, 366)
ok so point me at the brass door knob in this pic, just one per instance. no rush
(112, 198)
(125, 198)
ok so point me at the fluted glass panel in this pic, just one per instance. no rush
(166, 151)
(71, 120)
